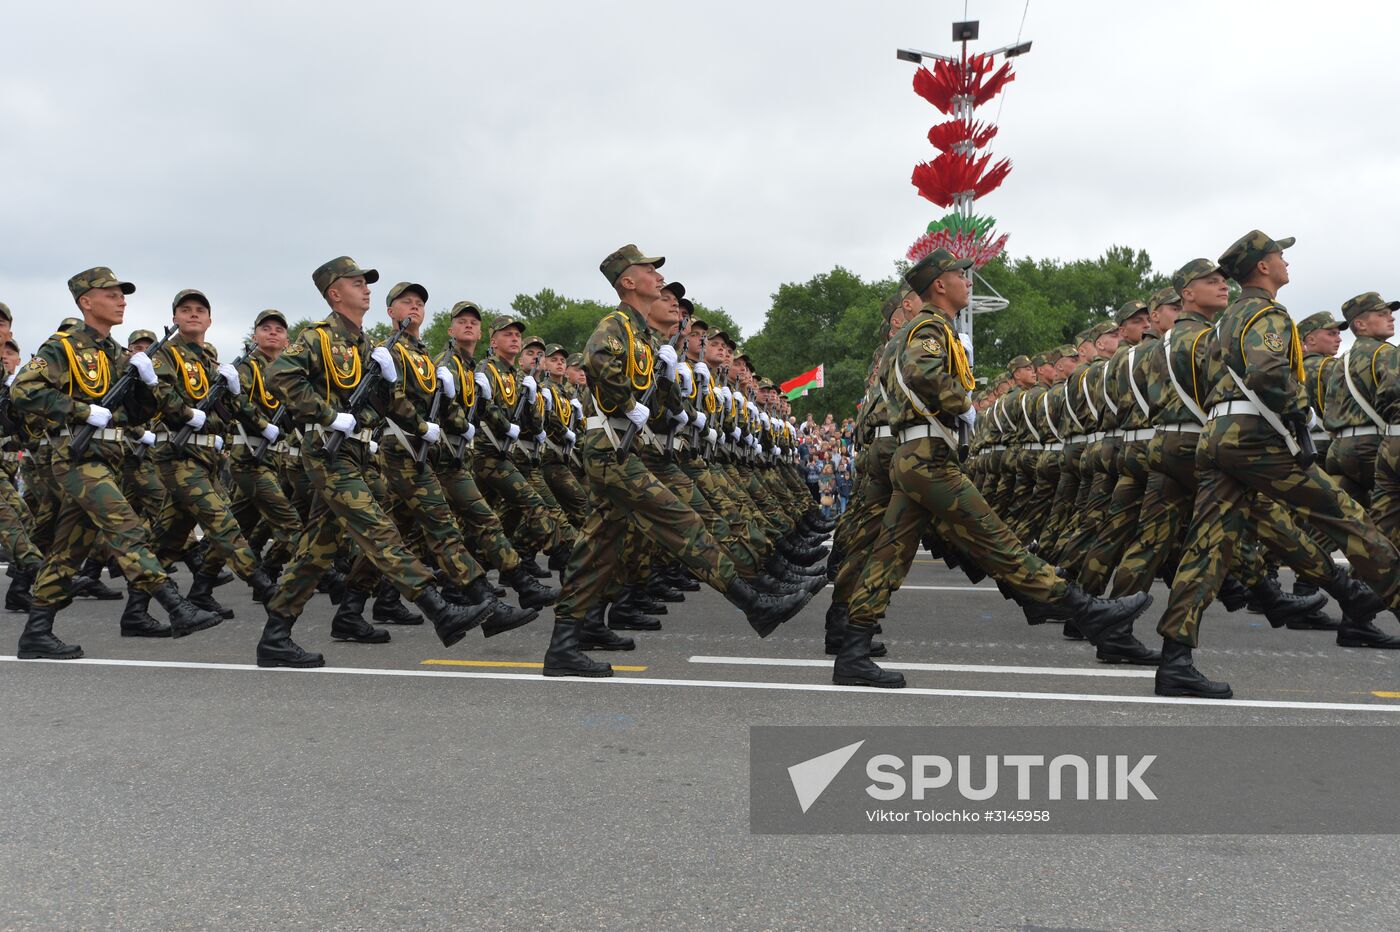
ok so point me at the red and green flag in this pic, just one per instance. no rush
(799, 385)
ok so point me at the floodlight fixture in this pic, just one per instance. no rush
(1016, 50)
(965, 31)
(908, 55)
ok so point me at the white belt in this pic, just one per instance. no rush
(994, 448)
(364, 436)
(1055, 447)
(1034, 447)
(920, 431)
(599, 421)
(883, 432)
(1076, 438)
(1133, 436)
(1178, 428)
(1370, 430)
(1391, 430)
(1322, 436)
(1242, 406)
(198, 440)
(1095, 437)
(106, 433)
(1112, 434)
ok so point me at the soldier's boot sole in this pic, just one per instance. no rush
(1213, 691)
(881, 683)
(307, 662)
(372, 636)
(205, 622)
(153, 630)
(595, 671)
(500, 622)
(67, 652)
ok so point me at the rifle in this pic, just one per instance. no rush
(421, 451)
(369, 381)
(206, 404)
(631, 435)
(116, 395)
(276, 421)
(671, 434)
(520, 407)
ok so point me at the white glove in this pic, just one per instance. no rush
(681, 419)
(373, 447)
(639, 414)
(577, 406)
(549, 401)
(197, 420)
(970, 415)
(767, 421)
(753, 409)
(734, 434)
(528, 383)
(433, 434)
(471, 432)
(385, 361)
(344, 422)
(230, 377)
(514, 432)
(711, 436)
(541, 437)
(684, 378)
(668, 358)
(1313, 422)
(142, 363)
(702, 371)
(148, 439)
(218, 442)
(483, 385)
(271, 432)
(727, 395)
(777, 451)
(700, 420)
(449, 385)
(570, 437)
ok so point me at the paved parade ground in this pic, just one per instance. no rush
(172, 784)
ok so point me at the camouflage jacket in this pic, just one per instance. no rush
(1259, 341)
(620, 358)
(558, 417)
(1113, 408)
(262, 406)
(1048, 412)
(1134, 367)
(1318, 368)
(1192, 345)
(186, 372)
(1028, 407)
(315, 376)
(1092, 384)
(69, 373)
(454, 411)
(926, 362)
(1367, 361)
(1080, 415)
(411, 397)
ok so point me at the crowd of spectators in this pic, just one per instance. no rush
(827, 458)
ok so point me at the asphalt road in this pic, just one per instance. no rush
(393, 790)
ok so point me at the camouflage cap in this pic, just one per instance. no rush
(1322, 320)
(1244, 252)
(186, 294)
(1353, 308)
(676, 288)
(138, 335)
(1162, 296)
(575, 360)
(1196, 268)
(687, 305)
(69, 323)
(922, 273)
(699, 323)
(270, 314)
(399, 290)
(97, 277)
(1040, 359)
(12, 344)
(5, 312)
(766, 383)
(553, 348)
(1083, 336)
(1127, 309)
(338, 268)
(1066, 351)
(724, 337)
(1102, 328)
(622, 259)
(466, 307)
(530, 341)
(1018, 362)
(504, 321)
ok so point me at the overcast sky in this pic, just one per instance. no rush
(488, 149)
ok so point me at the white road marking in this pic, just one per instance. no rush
(737, 684)
(1124, 673)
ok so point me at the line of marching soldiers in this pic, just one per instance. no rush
(1199, 437)
(392, 480)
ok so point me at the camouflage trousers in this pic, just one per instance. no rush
(1385, 503)
(1115, 530)
(866, 517)
(1099, 477)
(715, 486)
(931, 489)
(524, 514)
(343, 505)
(1023, 472)
(92, 507)
(481, 528)
(687, 489)
(14, 528)
(261, 506)
(567, 490)
(753, 513)
(627, 497)
(558, 519)
(1352, 462)
(196, 495)
(1036, 513)
(43, 495)
(1240, 457)
(143, 488)
(1057, 525)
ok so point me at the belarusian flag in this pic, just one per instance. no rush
(799, 385)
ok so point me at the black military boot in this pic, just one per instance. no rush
(1097, 618)
(18, 597)
(38, 642)
(88, 587)
(1318, 620)
(263, 584)
(1354, 633)
(277, 649)
(679, 579)
(1178, 676)
(332, 583)
(836, 617)
(202, 595)
(1119, 646)
(559, 558)
(1233, 594)
(528, 590)
(185, 617)
(533, 568)
(624, 615)
(452, 622)
(833, 562)
(765, 583)
(504, 616)
(1358, 601)
(1278, 606)
(349, 622)
(763, 611)
(777, 566)
(565, 657)
(389, 608)
(594, 635)
(637, 596)
(800, 556)
(657, 587)
(137, 621)
(854, 666)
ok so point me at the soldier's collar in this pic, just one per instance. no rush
(637, 316)
(337, 319)
(1191, 315)
(1253, 291)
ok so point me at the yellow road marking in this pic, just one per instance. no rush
(511, 663)
(1383, 694)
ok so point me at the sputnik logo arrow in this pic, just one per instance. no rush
(811, 777)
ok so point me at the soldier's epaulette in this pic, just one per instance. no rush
(317, 323)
